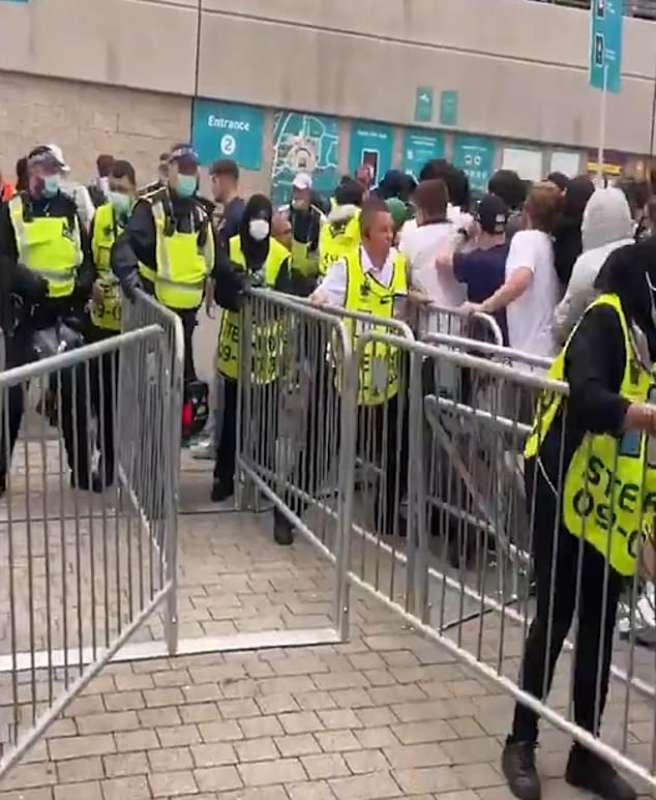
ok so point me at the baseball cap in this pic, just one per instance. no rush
(43, 154)
(492, 214)
(302, 181)
(183, 152)
(398, 210)
(57, 152)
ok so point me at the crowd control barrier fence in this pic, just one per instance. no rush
(87, 521)
(405, 462)
(434, 319)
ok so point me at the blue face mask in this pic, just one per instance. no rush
(51, 185)
(186, 185)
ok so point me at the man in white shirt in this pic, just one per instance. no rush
(531, 290)
(373, 280)
(433, 234)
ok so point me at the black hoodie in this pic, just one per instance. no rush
(596, 355)
(232, 279)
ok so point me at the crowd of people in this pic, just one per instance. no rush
(561, 265)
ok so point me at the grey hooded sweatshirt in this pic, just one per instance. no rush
(607, 225)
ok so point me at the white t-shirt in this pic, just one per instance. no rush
(421, 245)
(531, 316)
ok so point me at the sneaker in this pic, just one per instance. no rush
(588, 771)
(283, 530)
(518, 765)
(203, 450)
(222, 491)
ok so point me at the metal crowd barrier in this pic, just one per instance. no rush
(136, 314)
(423, 498)
(296, 365)
(475, 508)
(434, 319)
(82, 571)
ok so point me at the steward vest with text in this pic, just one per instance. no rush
(379, 367)
(266, 341)
(609, 496)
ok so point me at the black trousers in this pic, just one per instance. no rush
(70, 390)
(224, 465)
(596, 618)
(382, 440)
(104, 385)
(189, 323)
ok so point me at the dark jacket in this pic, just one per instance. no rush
(567, 233)
(596, 356)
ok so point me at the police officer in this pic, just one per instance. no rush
(592, 520)
(45, 249)
(168, 246)
(306, 219)
(252, 257)
(105, 311)
(372, 279)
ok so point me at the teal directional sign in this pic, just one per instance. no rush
(606, 45)
(475, 156)
(228, 130)
(449, 107)
(420, 146)
(424, 104)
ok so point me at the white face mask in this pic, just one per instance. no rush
(258, 229)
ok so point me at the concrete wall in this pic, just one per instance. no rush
(520, 68)
(87, 119)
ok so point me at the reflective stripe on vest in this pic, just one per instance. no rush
(182, 264)
(48, 247)
(609, 495)
(267, 338)
(379, 368)
(105, 314)
(337, 242)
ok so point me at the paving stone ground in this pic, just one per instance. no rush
(388, 714)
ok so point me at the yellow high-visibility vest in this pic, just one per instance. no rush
(266, 337)
(305, 261)
(48, 246)
(183, 260)
(107, 314)
(379, 367)
(338, 241)
(609, 495)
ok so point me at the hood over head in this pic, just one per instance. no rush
(606, 219)
(255, 252)
(630, 272)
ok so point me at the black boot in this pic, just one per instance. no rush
(518, 764)
(222, 490)
(283, 530)
(588, 771)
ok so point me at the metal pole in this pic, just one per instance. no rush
(602, 129)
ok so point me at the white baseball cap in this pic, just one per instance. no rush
(302, 181)
(57, 152)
